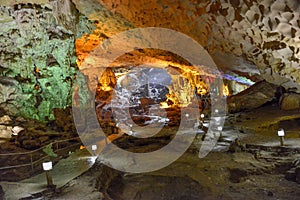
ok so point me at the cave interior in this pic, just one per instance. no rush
(149, 99)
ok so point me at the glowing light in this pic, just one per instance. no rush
(94, 147)
(239, 79)
(281, 133)
(107, 81)
(226, 90)
(47, 166)
(164, 105)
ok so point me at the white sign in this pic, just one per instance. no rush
(281, 132)
(47, 166)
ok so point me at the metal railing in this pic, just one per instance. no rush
(39, 153)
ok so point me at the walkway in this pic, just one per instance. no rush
(63, 172)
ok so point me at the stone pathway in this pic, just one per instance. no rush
(63, 172)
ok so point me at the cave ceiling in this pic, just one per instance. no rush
(43, 42)
(260, 39)
(257, 38)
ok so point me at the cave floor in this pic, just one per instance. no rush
(255, 173)
(220, 175)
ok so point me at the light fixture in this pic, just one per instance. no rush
(202, 115)
(94, 147)
(47, 167)
(220, 128)
(281, 136)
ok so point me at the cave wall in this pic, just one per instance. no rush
(240, 35)
(37, 55)
(38, 39)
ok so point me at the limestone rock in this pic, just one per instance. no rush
(5, 119)
(8, 90)
(37, 60)
(17, 129)
(266, 33)
(64, 119)
(2, 194)
(294, 173)
(290, 175)
(31, 144)
(253, 97)
(5, 132)
(297, 175)
(290, 101)
(38, 38)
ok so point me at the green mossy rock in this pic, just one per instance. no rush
(37, 57)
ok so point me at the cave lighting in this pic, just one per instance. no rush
(94, 147)
(226, 91)
(281, 134)
(81, 147)
(47, 167)
(219, 128)
(108, 80)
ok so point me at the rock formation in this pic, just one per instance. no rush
(42, 43)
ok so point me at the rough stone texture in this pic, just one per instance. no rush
(253, 97)
(37, 59)
(297, 174)
(242, 33)
(37, 38)
(2, 194)
(64, 119)
(290, 101)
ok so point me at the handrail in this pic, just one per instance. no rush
(41, 148)
(36, 150)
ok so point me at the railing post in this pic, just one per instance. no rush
(31, 161)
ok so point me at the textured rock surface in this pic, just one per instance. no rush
(297, 174)
(239, 34)
(253, 97)
(37, 41)
(290, 101)
(37, 59)
(1, 193)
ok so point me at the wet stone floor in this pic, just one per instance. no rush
(246, 163)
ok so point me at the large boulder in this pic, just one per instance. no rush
(290, 101)
(253, 97)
